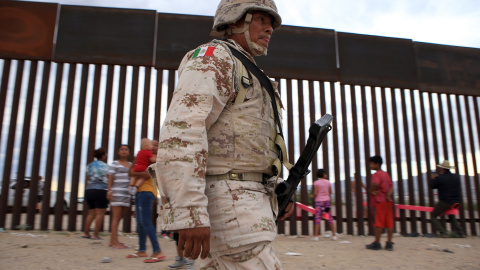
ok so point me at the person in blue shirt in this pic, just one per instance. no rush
(96, 193)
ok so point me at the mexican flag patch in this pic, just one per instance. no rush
(204, 51)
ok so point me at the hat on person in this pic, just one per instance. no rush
(446, 165)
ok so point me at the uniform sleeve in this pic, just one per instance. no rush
(205, 85)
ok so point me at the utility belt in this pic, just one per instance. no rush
(247, 176)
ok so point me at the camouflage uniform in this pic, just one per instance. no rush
(214, 158)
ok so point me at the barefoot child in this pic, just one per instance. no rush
(145, 157)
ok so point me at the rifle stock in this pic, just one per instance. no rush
(287, 188)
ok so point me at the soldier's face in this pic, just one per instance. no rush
(261, 28)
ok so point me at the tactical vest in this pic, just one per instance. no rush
(243, 137)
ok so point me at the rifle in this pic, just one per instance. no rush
(317, 132)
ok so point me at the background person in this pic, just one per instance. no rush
(40, 187)
(117, 194)
(145, 158)
(96, 193)
(321, 194)
(449, 194)
(381, 190)
(144, 201)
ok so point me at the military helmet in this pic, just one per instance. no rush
(230, 11)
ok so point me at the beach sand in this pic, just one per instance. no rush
(22, 249)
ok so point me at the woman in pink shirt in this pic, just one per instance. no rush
(321, 195)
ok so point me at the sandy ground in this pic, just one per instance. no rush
(21, 249)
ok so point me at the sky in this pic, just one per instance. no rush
(449, 22)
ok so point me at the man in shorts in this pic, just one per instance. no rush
(381, 190)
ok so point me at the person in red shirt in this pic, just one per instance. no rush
(144, 158)
(381, 190)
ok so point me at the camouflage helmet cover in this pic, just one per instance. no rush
(230, 11)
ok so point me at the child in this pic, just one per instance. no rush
(321, 194)
(381, 190)
(145, 157)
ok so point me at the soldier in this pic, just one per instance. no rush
(216, 150)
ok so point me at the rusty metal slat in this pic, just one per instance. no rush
(435, 139)
(3, 89)
(120, 110)
(357, 172)
(72, 215)
(453, 131)
(107, 113)
(323, 110)
(403, 225)
(442, 123)
(158, 105)
(171, 86)
(10, 144)
(301, 139)
(386, 133)
(434, 129)
(291, 147)
(37, 152)
(426, 138)
(3, 98)
(93, 121)
(311, 111)
(472, 149)
(376, 137)
(476, 102)
(366, 139)
(146, 103)
(133, 108)
(416, 136)
(51, 148)
(388, 154)
(24, 143)
(406, 134)
(64, 150)
(311, 98)
(336, 157)
(346, 158)
(468, 186)
(97, 77)
(17, 205)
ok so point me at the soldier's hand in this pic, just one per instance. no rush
(194, 242)
(288, 210)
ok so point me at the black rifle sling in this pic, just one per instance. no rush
(264, 80)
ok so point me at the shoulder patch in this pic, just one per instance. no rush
(203, 51)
